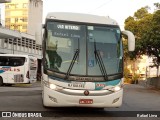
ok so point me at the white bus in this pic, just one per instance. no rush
(82, 61)
(17, 69)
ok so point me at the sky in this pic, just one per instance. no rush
(116, 9)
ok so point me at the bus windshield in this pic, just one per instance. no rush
(11, 61)
(64, 39)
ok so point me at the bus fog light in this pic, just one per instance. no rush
(117, 88)
(53, 99)
(52, 86)
(115, 100)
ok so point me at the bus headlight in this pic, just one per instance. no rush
(52, 86)
(117, 88)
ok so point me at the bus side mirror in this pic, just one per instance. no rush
(131, 40)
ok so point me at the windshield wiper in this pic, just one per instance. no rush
(76, 55)
(100, 61)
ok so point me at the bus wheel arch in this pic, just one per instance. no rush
(1, 81)
(44, 100)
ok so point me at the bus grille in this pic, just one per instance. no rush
(18, 78)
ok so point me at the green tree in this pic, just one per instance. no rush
(146, 28)
(141, 13)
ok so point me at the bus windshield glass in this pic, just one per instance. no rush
(64, 39)
(105, 40)
(11, 61)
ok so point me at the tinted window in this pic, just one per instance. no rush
(11, 61)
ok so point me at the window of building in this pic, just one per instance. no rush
(25, 5)
(8, 19)
(24, 27)
(7, 13)
(7, 6)
(23, 19)
(25, 13)
(16, 5)
(12, 6)
(7, 26)
(36, 3)
(16, 19)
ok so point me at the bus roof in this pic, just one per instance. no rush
(79, 17)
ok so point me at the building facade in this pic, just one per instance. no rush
(24, 16)
(25, 45)
(144, 67)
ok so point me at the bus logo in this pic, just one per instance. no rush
(4, 69)
(86, 92)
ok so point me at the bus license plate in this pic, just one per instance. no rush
(86, 101)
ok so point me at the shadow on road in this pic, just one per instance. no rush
(78, 112)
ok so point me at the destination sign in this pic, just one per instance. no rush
(66, 30)
(68, 27)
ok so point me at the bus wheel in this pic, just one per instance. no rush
(1, 81)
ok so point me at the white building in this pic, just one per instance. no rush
(143, 66)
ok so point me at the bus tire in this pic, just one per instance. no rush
(99, 109)
(1, 81)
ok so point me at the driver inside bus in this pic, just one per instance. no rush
(53, 59)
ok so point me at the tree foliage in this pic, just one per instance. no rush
(141, 13)
(146, 28)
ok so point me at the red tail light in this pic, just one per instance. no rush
(27, 75)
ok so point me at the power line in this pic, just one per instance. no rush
(100, 6)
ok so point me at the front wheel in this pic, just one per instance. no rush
(1, 81)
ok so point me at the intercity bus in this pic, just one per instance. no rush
(17, 69)
(82, 62)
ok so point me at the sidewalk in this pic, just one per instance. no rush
(147, 84)
(22, 87)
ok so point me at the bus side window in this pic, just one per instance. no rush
(21, 62)
(7, 63)
(15, 64)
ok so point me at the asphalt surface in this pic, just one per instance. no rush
(27, 98)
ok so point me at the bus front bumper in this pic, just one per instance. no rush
(52, 98)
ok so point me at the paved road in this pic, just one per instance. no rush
(28, 98)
